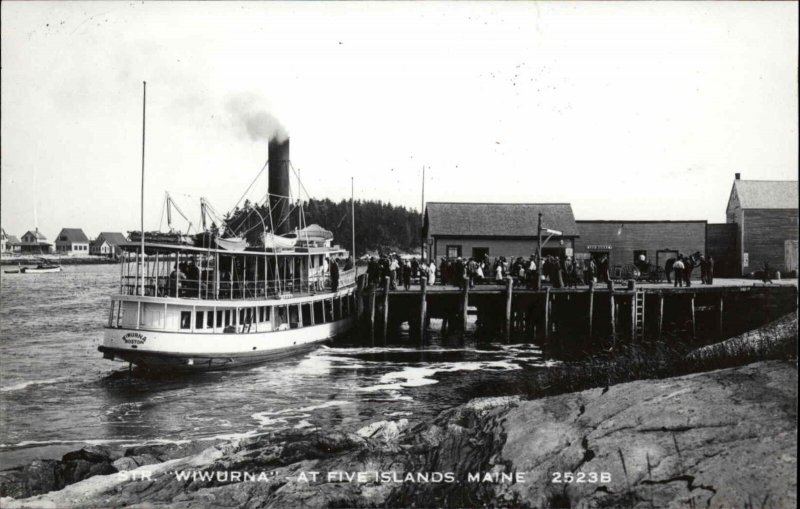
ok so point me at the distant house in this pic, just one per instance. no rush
(765, 213)
(12, 244)
(33, 242)
(3, 241)
(72, 241)
(108, 244)
(497, 229)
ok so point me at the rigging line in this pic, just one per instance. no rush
(163, 208)
(251, 184)
(299, 182)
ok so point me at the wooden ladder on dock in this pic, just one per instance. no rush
(638, 327)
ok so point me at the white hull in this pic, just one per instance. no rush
(41, 271)
(214, 351)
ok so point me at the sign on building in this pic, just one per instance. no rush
(745, 259)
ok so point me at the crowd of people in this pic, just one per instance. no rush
(560, 272)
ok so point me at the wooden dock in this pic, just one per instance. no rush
(605, 314)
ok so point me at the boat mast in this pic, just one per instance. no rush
(422, 219)
(353, 217)
(141, 204)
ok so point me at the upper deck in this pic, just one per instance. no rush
(215, 274)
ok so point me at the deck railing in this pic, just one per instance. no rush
(208, 288)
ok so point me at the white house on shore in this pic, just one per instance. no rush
(108, 244)
(72, 241)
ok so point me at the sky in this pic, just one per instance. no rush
(626, 110)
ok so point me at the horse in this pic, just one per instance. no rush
(689, 263)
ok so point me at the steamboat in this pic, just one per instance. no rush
(232, 302)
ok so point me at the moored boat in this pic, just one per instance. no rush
(200, 308)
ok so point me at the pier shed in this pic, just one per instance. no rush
(624, 241)
(766, 216)
(497, 229)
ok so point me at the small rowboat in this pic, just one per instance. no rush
(41, 269)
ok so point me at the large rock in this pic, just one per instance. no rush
(725, 438)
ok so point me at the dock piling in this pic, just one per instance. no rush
(694, 326)
(423, 305)
(721, 309)
(372, 293)
(464, 306)
(612, 316)
(509, 296)
(660, 314)
(385, 308)
(547, 313)
(591, 309)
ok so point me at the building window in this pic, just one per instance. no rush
(453, 251)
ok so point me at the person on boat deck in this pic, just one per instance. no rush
(176, 278)
(334, 275)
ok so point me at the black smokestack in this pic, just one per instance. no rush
(279, 184)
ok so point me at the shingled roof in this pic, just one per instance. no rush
(498, 219)
(766, 194)
(72, 235)
(113, 238)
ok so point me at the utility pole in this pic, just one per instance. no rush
(422, 220)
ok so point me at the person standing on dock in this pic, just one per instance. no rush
(710, 270)
(703, 268)
(415, 269)
(678, 268)
(373, 271)
(407, 275)
(766, 277)
(393, 266)
(431, 273)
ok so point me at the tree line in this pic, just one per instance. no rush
(379, 226)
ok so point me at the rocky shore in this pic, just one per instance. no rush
(724, 438)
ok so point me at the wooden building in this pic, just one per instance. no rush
(108, 244)
(34, 242)
(765, 213)
(497, 229)
(72, 241)
(624, 241)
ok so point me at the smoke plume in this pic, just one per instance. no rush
(251, 118)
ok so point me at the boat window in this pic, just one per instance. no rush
(318, 316)
(329, 310)
(261, 314)
(210, 320)
(219, 318)
(186, 318)
(198, 320)
(227, 317)
(294, 316)
(267, 313)
(345, 306)
(280, 317)
(306, 314)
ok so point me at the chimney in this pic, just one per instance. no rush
(738, 176)
(278, 186)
